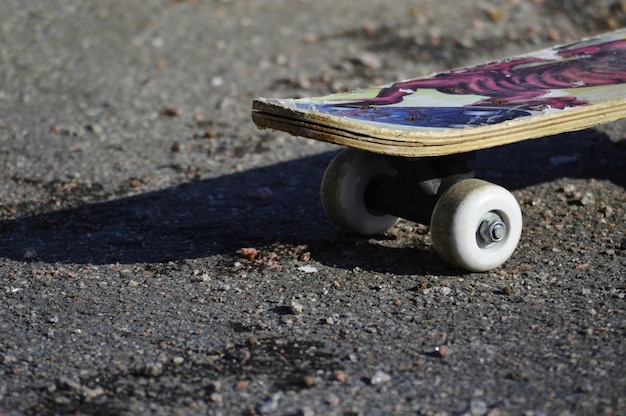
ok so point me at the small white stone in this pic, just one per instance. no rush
(380, 377)
(296, 308)
(478, 408)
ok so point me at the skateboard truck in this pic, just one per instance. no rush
(413, 191)
(474, 224)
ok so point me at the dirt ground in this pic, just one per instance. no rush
(160, 255)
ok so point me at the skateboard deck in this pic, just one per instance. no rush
(555, 90)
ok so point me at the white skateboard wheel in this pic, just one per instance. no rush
(476, 225)
(343, 191)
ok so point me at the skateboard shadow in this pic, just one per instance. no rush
(195, 219)
(275, 204)
(587, 154)
(258, 208)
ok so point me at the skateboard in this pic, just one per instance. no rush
(410, 142)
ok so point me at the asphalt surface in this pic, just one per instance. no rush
(160, 255)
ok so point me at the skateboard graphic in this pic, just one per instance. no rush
(410, 142)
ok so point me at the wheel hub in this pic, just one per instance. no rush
(492, 229)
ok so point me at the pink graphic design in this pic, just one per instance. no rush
(523, 83)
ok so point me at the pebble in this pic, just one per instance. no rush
(340, 376)
(172, 112)
(92, 393)
(62, 400)
(249, 252)
(270, 405)
(380, 377)
(252, 341)
(29, 254)
(217, 81)
(68, 383)
(152, 369)
(332, 399)
(478, 407)
(569, 189)
(216, 397)
(308, 381)
(306, 411)
(586, 199)
(296, 308)
(369, 60)
(606, 210)
(443, 351)
(95, 129)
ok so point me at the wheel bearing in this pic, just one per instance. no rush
(492, 230)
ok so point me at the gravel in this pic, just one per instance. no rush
(160, 255)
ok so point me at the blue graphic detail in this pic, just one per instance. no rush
(441, 117)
